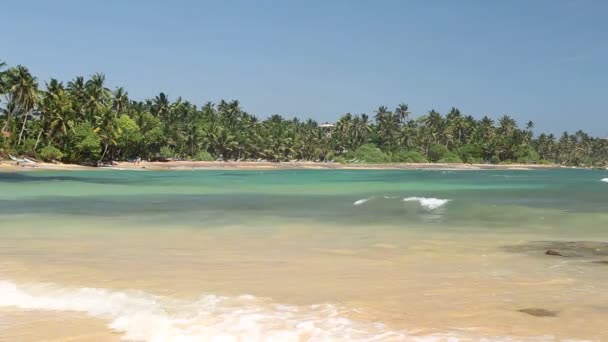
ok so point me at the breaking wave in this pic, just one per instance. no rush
(145, 317)
(605, 180)
(361, 201)
(428, 203)
(141, 316)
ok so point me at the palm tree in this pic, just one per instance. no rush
(3, 78)
(161, 107)
(105, 128)
(361, 129)
(402, 113)
(227, 130)
(57, 112)
(3, 90)
(342, 132)
(433, 128)
(387, 127)
(455, 126)
(120, 100)
(23, 90)
(52, 87)
(96, 95)
(529, 125)
(78, 94)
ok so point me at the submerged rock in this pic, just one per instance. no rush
(552, 252)
(582, 249)
(539, 312)
(601, 262)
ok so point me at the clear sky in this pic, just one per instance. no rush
(544, 60)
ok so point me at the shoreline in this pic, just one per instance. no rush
(11, 166)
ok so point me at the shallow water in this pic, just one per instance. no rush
(301, 255)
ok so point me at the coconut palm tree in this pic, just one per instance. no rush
(56, 108)
(402, 112)
(3, 78)
(105, 128)
(227, 130)
(23, 90)
(3, 90)
(387, 128)
(120, 100)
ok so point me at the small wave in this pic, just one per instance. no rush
(141, 316)
(145, 317)
(605, 180)
(427, 203)
(361, 201)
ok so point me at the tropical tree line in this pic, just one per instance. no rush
(83, 121)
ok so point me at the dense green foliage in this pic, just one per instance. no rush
(50, 153)
(84, 121)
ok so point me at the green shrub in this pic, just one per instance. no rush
(474, 160)
(83, 144)
(331, 155)
(470, 153)
(545, 162)
(128, 134)
(50, 153)
(450, 157)
(409, 157)
(369, 153)
(340, 159)
(495, 159)
(437, 152)
(27, 148)
(526, 155)
(166, 152)
(204, 156)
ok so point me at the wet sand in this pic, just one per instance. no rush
(427, 285)
(49, 326)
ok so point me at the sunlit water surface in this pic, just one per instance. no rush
(303, 255)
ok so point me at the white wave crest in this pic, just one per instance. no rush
(427, 203)
(361, 201)
(145, 317)
(605, 180)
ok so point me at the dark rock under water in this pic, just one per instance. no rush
(575, 249)
(552, 252)
(538, 312)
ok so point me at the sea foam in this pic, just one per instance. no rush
(145, 317)
(605, 180)
(361, 201)
(141, 316)
(427, 203)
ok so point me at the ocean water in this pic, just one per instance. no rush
(304, 255)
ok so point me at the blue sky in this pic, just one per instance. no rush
(541, 60)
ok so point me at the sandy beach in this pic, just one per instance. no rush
(246, 165)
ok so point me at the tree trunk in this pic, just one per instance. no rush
(8, 120)
(105, 150)
(22, 129)
(38, 139)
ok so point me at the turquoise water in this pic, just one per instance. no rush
(478, 199)
(304, 255)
